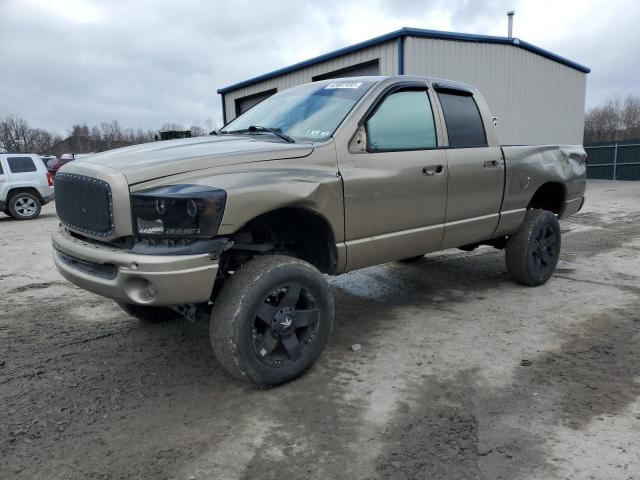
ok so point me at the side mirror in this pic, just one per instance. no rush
(358, 143)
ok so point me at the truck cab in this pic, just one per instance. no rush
(434, 148)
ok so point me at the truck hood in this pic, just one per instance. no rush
(147, 161)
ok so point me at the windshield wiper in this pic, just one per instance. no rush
(259, 128)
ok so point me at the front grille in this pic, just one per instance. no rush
(84, 204)
(102, 270)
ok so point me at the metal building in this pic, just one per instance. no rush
(537, 96)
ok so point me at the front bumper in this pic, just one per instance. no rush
(153, 280)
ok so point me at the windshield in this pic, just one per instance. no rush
(309, 113)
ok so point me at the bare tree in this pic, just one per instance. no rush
(81, 138)
(197, 131)
(631, 117)
(17, 136)
(41, 140)
(111, 134)
(613, 121)
(14, 133)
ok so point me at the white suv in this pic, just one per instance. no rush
(25, 185)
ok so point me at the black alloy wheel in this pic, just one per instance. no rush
(545, 249)
(532, 253)
(286, 323)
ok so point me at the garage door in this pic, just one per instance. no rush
(245, 103)
(359, 70)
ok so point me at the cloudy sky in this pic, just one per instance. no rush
(145, 63)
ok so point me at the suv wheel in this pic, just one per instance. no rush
(24, 206)
(271, 320)
(149, 314)
(533, 252)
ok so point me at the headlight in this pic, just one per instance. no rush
(193, 211)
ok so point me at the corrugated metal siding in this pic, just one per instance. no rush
(385, 52)
(358, 70)
(536, 100)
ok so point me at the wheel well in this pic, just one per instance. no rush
(550, 196)
(294, 231)
(30, 190)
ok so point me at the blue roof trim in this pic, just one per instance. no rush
(411, 32)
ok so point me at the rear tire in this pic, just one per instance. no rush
(24, 206)
(533, 252)
(271, 320)
(149, 314)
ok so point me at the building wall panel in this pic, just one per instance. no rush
(536, 100)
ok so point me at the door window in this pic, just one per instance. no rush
(464, 124)
(403, 121)
(21, 164)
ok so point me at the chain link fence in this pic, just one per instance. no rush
(614, 161)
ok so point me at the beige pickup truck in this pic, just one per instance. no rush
(239, 226)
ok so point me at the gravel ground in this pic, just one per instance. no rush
(462, 373)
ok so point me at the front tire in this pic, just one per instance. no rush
(24, 206)
(533, 252)
(271, 320)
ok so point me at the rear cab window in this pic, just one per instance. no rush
(462, 118)
(21, 164)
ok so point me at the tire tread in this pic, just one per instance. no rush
(227, 313)
(517, 251)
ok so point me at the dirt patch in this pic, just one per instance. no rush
(594, 372)
(34, 286)
(612, 236)
(434, 436)
(436, 433)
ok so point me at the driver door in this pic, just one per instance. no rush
(395, 192)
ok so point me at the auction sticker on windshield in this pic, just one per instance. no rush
(332, 86)
(319, 133)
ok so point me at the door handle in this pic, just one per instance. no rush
(492, 164)
(432, 169)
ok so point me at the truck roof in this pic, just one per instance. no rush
(442, 82)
